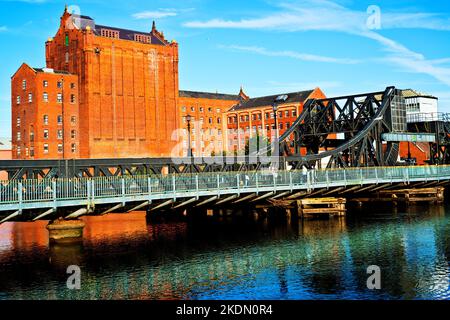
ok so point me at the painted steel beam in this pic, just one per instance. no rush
(207, 201)
(77, 214)
(142, 205)
(11, 216)
(46, 213)
(185, 203)
(162, 205)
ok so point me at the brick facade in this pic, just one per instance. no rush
(128, 86)
(256, 117)
(45, 114)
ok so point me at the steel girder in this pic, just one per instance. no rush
(361, 119)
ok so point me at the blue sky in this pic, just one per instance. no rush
(267, 46)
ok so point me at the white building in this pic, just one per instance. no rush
(420, 106)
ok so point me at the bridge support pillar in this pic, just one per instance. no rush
(65, 230)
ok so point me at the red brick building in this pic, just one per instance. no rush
(45, 114)
(256, 116)
(208, 121)
(108, 92)
(128, 86)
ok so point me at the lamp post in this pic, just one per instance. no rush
(188, 119)
(278, 100)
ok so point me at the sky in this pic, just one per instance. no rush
(268, 47)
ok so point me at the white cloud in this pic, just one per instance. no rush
(291, 54)
(323, 15)
(159, 14)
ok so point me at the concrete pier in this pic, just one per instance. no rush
(65, 230)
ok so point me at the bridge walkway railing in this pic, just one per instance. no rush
(26, 194)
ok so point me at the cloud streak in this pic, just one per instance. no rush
(290, 54)
(159, 14)
(323, 15)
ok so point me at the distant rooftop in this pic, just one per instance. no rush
(208, 95)
(410, 93)
(293, 97)
(48, 70)
(5, 144)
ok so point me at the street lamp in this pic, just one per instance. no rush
(188, 119)
(279, 100)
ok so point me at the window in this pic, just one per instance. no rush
(60, 119)
(209, 109)
(73, 134)
(267, 115)
(19, 136)
(59, 84)
(280, 114)
(24, 84)
(294, 113)
(259, 116)
(30, 98)
(72, 98)
(218, 110)
(210, 120)
(19, 150)
(288, 125)
(219, 132)
(142, 38)
(286, 113)
(253, 117)
(66, 40)
(45, 119)
(31, 152)
(60, 148)
(72, 85)
(18, 100)
(281, 126)
(73, 147)
(45, 83)
(59, 134)
(184, 119)
(192, 109)
(45, 96)
(45, 134)
(110, 33)
(31, 136)
(45, 148)
(219, 120)
(246, 118)
(59, 98)
(201, 109)
(18, 121)
(67, 57)
(183, 108)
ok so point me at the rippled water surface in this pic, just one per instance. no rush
(124, 257)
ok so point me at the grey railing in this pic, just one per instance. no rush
(28, 194)
(428, 117)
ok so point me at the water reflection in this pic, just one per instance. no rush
(123, 257)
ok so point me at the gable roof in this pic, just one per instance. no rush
(208, 95)
(293, 97)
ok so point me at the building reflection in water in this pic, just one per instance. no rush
(123, 257)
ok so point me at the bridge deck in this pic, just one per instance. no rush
(21, 196)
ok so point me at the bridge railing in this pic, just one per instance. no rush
(32, 191)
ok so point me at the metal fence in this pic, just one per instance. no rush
(35, 191)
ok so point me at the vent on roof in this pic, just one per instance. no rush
(48, 70)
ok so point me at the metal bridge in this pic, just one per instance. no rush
(27, 200)
(355, 138)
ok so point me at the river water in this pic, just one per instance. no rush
(124, 257)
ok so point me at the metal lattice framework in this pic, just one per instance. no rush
(360, 120)
(48, 169)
